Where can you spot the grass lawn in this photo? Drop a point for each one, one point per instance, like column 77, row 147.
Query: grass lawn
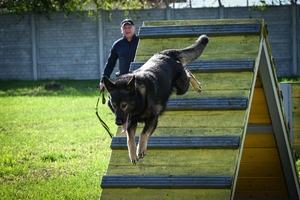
column 52, row 145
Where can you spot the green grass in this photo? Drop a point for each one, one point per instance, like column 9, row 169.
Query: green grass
column 52, row 145
column 289, row 79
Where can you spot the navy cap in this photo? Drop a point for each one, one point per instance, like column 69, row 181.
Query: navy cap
column 127, row 21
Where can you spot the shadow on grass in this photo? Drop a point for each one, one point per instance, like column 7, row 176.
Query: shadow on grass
column 49, row 88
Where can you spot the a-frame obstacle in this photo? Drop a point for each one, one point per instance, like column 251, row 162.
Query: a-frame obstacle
column 228, row 142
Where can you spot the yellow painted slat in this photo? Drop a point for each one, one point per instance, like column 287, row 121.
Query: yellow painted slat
column 262, row 194
column 259, row 184
column 259, row 113
column 180, row 157
column 260, row 140
column 295, row 90
column 208, row 92
column 228, row 118
column 225, row 80
column 183, row 169
column 165, row 194
column 190, row 131
column 296, row 111
column 267, row 155
column 260, row 170
column 218, row 48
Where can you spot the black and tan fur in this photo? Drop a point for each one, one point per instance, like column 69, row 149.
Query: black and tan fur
column 141, row 96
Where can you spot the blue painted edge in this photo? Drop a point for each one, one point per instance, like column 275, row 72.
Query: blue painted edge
column 197, row 30
column 212, row 65
column 165, row 181
column 239, row 103
column 182, row 142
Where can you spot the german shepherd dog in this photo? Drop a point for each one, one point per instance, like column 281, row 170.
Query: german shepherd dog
column 142, row 95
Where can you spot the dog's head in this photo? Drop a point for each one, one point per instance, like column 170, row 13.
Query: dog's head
column 123, row 99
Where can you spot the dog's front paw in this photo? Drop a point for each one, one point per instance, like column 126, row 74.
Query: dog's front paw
column 132, row 152
column 134, row 159
column 141, row 151
column 132, row 155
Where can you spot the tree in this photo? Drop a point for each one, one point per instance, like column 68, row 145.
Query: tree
column 46, row 7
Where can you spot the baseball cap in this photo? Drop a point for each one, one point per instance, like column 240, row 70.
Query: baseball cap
column 127, row 21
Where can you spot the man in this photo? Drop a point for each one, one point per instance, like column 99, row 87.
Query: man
column 123, row 49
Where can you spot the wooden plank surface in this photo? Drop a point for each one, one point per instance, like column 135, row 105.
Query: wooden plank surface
column 164, row 194
column 260, row 170
column 262, row 195
column 267, row 155
column 214, row 93
column 225, row 81
column 260, row 140
column 192, row 119
column 259, row 113
column 181, row 169
column 178, row 157
column 261, row 184
column 189, row 131
column 218, row 48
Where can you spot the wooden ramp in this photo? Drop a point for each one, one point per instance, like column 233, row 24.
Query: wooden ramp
column 228, row 142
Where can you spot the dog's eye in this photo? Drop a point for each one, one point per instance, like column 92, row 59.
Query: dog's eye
column 123, row 105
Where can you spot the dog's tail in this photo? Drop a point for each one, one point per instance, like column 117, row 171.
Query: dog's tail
column 190, row 53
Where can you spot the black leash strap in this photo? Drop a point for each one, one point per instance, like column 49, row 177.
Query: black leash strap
column 101, row 121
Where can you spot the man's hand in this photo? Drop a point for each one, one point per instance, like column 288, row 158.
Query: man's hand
column 102, row 86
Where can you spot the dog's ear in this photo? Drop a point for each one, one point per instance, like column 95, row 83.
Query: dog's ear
column 110, row 86
column 131, row 84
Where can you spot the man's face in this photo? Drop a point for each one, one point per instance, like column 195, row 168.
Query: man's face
column 128, row 30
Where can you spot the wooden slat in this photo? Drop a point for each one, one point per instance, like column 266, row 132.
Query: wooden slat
column 259, row 113
column 174, row 169
column 260, row 170
column 261, row 184
column 214, row 29
column 207, row 104
column 151, row 194
column 214, row 93
column 229, row 142
column 240, row 47
column 244, row 195
column 160, row 181
column 212, row 65
column 180, row 157
column 189, row 131
column 267, row 155
column 193, row 119
column 260, row 140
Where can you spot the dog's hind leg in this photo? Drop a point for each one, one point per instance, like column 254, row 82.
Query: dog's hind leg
column 131, row 142
column 148, row 129
column 193, row 81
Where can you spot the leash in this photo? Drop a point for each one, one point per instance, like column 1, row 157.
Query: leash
column 101, row 121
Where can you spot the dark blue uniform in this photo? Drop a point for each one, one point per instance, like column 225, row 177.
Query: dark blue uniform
column 125, row 52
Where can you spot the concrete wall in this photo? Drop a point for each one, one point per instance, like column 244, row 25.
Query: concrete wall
column 37, row 48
